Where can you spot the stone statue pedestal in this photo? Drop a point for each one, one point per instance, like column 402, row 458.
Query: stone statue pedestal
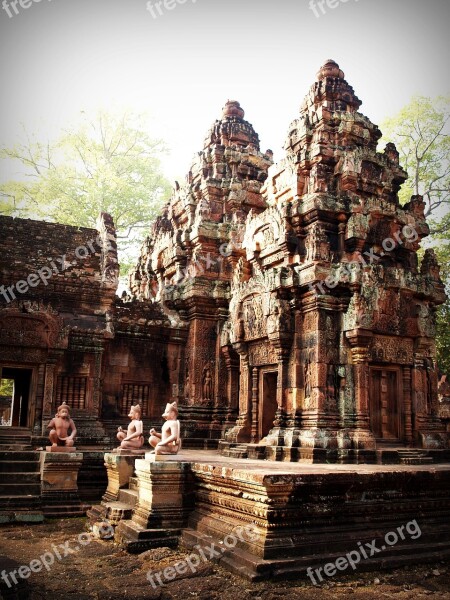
column 166, row 498
column 59, row 487
column 65, row 449
column 180, row 457
column 119, row 467
column 128, row 452
column 118, row 500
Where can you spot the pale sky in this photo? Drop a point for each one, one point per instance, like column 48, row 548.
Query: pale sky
column 62, row 56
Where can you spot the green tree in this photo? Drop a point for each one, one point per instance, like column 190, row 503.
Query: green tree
column 109, row 164
column 6, row 388
column 442, row 249
column 421, row 133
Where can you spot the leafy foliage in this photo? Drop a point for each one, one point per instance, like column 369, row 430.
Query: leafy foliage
column 6, row 388
column 109, row 165
column 420, row 132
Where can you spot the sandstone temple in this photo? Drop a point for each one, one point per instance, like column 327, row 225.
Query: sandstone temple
column 281, row 305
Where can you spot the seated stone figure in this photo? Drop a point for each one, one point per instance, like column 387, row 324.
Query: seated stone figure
column 60, row 425
column 168, row 441
column 133, row 439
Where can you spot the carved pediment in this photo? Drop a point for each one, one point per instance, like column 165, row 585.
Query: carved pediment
column 264, row 232
column 32, row 325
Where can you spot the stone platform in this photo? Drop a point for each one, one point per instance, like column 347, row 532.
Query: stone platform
column 301, row 515
column 382, row 454
column 306, row 515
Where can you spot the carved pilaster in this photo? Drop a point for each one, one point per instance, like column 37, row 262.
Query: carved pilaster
column 360, row 340
column 49, row 386
column 232, row 366
column 407, row 403
column 255, row 411
column 96, row 384
column 241, row 432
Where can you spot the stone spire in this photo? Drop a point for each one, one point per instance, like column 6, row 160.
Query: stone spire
column 222, row 186
column 332, row 89
column 232, row 129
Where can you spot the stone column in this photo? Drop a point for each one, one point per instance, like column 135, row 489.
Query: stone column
column 96, row 383
column 362, row 436
column 428, row 429
column 277, row 436
column 232, row 364
column 49, row 386
column 407, row 404
column 255, row 407
column 241, row 432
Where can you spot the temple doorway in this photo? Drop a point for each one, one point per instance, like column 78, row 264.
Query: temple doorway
column 385, row 404
column 15, row 397
column 268, row 402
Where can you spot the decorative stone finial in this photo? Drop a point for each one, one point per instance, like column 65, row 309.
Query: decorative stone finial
column 330, row 69
column 233, row 109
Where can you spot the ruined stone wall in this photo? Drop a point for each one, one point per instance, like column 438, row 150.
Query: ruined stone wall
column 143, row 362
column 57, row 286
column 53, row 263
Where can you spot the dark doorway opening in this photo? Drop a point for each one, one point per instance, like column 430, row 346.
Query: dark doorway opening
column 268, row 403
column 18, row 382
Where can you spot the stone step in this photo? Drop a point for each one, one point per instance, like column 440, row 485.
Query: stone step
column 20, row 478
column 239, row 451
column 133, row 483
column 24, row 515
column 56, row 512
column 15, row 441
column 424, row 460
column 19, row 466
column 200, row 444
column 254, row 568
column 411, row 456
column 8, row 490
column 129, row 497
column 16, row 502
column 118, row 511
column 19, row 455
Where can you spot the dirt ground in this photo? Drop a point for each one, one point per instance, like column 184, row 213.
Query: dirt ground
column 101, row 571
